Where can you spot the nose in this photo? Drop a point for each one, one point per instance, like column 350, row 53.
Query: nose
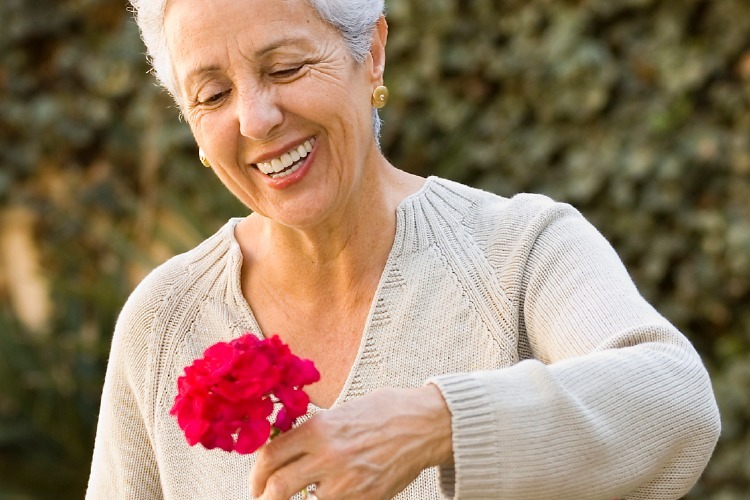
column 258, row 113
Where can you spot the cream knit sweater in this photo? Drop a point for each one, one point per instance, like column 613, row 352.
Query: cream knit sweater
column 562, row 381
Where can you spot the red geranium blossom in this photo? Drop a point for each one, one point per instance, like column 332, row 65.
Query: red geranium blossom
column 225, row 398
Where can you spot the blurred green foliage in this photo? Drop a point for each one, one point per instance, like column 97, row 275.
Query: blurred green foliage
column 635, row 111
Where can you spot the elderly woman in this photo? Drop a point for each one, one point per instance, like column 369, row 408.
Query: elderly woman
column 470, row 345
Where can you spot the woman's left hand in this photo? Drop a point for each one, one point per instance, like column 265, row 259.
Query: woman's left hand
column 368, row 448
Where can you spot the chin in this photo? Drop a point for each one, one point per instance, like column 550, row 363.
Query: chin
column 302, row 217
column 306, row 210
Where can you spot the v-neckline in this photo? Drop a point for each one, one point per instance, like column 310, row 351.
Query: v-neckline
column 236, row 285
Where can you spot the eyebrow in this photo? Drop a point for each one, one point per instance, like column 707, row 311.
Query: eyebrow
column 282, row 42
column 275, row 45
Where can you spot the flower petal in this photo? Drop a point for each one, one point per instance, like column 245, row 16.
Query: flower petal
column 252, row 435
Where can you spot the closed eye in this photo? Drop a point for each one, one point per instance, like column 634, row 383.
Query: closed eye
column 286, row 73
column 214, row 99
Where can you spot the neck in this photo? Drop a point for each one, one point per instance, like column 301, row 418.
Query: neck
column 342, row 255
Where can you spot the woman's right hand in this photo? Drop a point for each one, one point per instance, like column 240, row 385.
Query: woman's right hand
column 368, row 448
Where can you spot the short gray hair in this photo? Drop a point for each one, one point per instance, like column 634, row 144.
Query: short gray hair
column 355, row 20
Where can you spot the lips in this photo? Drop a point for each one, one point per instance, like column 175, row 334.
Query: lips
column 287, row 163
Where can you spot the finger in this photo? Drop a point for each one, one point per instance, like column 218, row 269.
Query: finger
column 273, row 456
column 288, row 480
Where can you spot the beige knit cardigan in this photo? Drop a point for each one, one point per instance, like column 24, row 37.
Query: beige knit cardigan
column 562, row 381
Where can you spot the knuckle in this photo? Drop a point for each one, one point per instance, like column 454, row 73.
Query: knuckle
column 262, row 467
column 315, row 427
column 277, row 487
column 318, row 421
column 267, row 455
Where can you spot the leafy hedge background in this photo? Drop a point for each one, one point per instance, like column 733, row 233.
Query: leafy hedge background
column 635, row 111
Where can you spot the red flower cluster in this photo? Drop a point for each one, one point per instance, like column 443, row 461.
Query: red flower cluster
column 224, row 398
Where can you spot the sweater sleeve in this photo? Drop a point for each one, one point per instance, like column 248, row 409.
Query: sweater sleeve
column 124, row 465
column 613, row 402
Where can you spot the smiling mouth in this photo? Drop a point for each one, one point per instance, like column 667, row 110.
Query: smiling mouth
column 288, row 163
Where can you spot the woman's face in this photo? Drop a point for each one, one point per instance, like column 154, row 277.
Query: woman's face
column 276, row 101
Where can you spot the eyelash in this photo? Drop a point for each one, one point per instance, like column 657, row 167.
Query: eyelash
column 215, row 98
column 281, row 74
column 286, row 73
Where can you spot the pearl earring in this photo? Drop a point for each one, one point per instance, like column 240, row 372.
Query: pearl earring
column 203, row 158
column 379, row 96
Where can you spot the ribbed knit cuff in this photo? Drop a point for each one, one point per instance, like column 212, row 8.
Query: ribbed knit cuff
column 476, row 440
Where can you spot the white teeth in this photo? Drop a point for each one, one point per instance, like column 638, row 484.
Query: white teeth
column 286, row 159
column 283, row 174
column 276, row 167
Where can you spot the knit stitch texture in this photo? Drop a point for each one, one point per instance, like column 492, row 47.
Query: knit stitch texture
column 562, row 381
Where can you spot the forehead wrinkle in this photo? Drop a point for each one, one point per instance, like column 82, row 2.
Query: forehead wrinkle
column 249, row 44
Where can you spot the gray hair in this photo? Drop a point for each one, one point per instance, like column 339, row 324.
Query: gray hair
column 355, row 20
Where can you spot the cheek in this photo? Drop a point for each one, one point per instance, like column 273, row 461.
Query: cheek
column 216, row 133
column 342, row 89
column 197, row 123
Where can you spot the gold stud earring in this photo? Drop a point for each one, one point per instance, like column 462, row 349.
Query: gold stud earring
column 379, row 96
column 203, row 158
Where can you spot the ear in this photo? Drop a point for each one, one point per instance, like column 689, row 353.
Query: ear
column 377, row 50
